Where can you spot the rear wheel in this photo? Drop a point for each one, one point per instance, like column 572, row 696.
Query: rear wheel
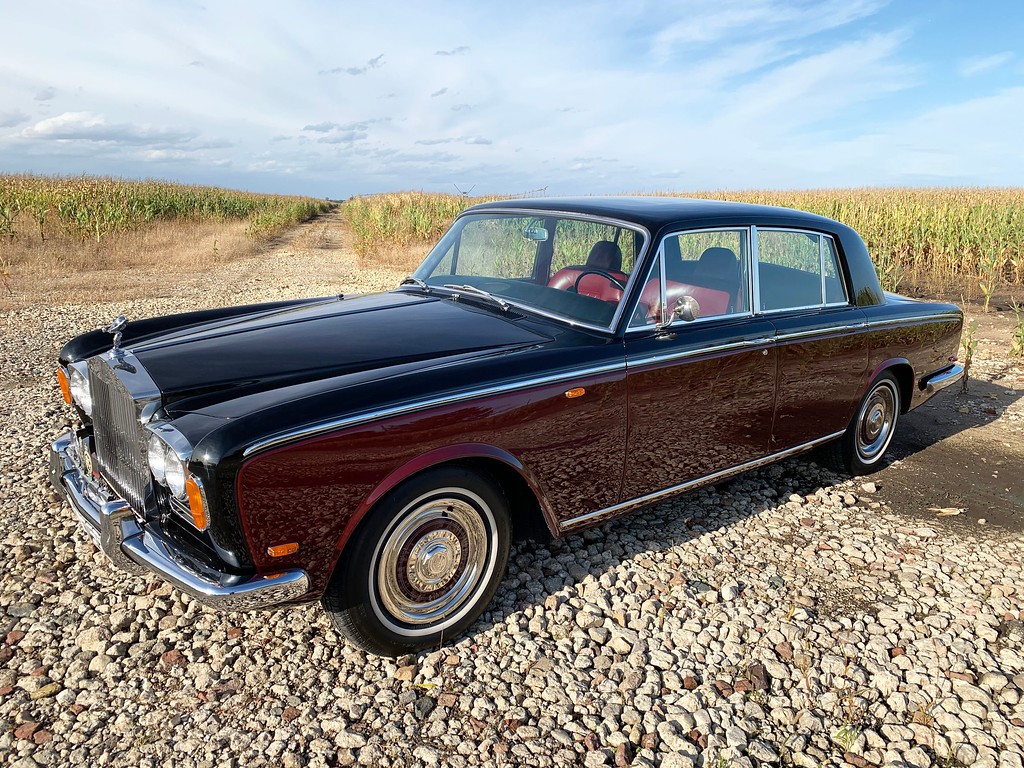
column 861, row 448
column 424, row 564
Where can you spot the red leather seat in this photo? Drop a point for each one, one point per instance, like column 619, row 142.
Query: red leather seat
column 606, row 256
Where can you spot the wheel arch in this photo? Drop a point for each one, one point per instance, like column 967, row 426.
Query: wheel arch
column 903, row 371
column 531, row 516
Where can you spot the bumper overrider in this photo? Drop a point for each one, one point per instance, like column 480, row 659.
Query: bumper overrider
column 133, row 547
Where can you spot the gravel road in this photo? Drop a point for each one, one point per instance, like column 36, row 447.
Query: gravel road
column 787, row 617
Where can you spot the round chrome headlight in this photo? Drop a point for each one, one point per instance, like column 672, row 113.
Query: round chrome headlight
column 80, row 392
column 174, row 474
column 157, row 454
column 167, row 468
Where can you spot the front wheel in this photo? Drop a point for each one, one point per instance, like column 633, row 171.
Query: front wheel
column 423, row 565
column 861, row 448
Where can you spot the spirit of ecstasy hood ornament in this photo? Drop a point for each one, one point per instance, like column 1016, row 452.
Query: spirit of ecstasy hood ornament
column 117, row 328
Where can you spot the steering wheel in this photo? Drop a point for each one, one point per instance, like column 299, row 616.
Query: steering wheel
column 594, row 271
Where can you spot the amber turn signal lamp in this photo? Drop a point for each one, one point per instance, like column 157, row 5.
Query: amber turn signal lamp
column 65, row 385
column 195, row 503
column 576, row 392
column 280, row 550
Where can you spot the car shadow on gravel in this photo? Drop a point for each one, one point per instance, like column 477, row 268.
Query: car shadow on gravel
column 540, row 570
column 960, row 456
column 927, row 468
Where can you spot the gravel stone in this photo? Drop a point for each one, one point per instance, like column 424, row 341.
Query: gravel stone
column 743, row 622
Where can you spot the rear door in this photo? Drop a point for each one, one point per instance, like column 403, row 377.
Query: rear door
column 821, row 345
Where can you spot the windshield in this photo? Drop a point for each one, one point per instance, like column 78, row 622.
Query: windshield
column 570, row 267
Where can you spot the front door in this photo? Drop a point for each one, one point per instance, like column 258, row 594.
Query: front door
column 701, row 393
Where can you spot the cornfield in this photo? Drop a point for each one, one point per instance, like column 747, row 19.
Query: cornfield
column 945, row 238
column 91, row 208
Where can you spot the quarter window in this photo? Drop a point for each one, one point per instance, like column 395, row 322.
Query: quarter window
column 835, row 290
column 797, row 270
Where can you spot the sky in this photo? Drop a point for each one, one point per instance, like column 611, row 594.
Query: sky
column 334, row 99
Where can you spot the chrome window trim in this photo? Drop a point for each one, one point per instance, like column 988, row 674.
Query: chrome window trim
column 755, row 270
column 821, row 266
column 366, row 417
column 650, row 498
column 577, row 216
column 664, row 298
column 839, row 275
column 792, row 309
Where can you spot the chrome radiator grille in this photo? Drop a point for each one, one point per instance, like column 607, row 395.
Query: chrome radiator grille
column 119, row 437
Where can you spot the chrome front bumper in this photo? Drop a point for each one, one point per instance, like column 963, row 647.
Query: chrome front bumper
column 116, row 530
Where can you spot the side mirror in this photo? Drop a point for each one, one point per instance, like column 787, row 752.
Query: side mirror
column 686, row 309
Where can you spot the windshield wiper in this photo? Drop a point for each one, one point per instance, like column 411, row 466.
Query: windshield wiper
column 410, row 280
column 481, row 293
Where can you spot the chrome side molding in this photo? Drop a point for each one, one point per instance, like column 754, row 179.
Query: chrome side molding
column 592, row 518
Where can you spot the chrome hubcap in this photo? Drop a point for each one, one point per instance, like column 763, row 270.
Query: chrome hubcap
column 875, row 425
column 432, row 562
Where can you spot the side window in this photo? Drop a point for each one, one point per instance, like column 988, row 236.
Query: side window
column 789, row 269
column 835, row 290
column 712, row 267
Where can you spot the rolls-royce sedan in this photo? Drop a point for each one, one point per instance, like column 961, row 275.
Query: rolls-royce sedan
column 552, row 364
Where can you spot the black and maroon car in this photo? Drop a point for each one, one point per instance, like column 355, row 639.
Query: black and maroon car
column 552, row 364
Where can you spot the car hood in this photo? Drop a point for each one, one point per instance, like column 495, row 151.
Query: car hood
column 252, row 353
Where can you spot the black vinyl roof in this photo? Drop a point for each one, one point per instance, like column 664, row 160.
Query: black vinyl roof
column 654, row 213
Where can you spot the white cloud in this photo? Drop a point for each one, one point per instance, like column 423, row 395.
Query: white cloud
column 733, row 21
column 979, row 65
column 600, row 97
column 90, row 127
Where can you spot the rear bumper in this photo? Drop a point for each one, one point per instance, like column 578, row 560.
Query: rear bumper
column 132, row 546
column 940, row 380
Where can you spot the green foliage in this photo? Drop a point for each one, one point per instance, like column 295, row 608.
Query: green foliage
column 969, row 344
column 402, row 218
column 1017, row 337
column 95, row 208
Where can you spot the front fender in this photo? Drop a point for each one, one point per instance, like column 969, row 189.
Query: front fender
column 446, row 455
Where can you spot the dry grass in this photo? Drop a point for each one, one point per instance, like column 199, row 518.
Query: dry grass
column 109, row 235
column 132, row 264
column 929, row 238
